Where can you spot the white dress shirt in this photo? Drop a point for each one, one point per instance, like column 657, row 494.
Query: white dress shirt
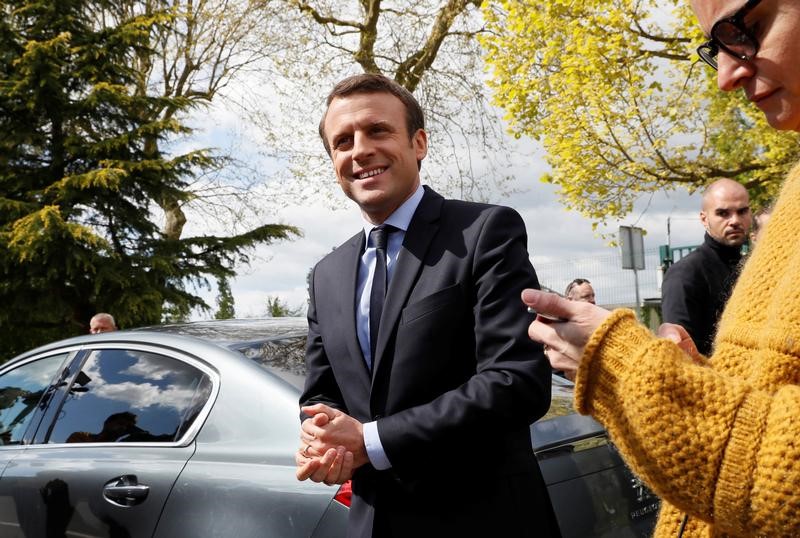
column 400, row 219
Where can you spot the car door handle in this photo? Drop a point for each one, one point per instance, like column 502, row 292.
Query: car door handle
column 125, row 491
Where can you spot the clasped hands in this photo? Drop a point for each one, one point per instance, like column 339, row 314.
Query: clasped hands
column 331, row 446
column 565, row 335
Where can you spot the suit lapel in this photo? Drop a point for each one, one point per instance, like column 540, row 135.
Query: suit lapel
column 420, row 233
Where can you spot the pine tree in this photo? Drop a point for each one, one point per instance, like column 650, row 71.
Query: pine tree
column 280, row 309
column 225, row 303
column 81, row 172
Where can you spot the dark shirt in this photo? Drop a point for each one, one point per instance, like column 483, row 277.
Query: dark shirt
column 696, row 288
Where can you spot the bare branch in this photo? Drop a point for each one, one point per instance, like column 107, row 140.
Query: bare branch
column 325, row 19
column 410, row 71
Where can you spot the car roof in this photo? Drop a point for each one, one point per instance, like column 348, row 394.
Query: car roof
column 235, row 333
column 232, row 334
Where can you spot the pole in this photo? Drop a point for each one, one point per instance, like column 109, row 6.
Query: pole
column 669, row 242
column 638, row 300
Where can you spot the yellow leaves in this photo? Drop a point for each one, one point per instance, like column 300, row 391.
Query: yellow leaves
column 616, row 118
column 104, row 92
column 105, row 178
column 34, row 234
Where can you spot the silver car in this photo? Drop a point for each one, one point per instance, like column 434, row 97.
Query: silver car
column 190, row 430
column 142, row 434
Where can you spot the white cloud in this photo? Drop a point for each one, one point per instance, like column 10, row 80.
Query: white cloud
column 143, row 395
column 137, row 394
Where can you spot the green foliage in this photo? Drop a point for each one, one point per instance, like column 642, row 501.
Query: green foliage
column 616, row 94
column 225, row 303
column 81, row 176
column 279, row 309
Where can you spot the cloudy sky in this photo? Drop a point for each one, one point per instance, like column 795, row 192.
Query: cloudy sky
column 557, row 238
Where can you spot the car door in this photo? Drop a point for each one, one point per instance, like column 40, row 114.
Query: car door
column 110, row 445
column 25, row 389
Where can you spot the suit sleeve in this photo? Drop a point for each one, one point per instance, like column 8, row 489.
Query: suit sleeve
column 511, row 385
column 320, row 384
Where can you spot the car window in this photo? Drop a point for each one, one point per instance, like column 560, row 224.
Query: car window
column 21, row 390
column 127, row 396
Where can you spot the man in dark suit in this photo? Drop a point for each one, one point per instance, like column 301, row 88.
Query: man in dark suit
column 424, row 398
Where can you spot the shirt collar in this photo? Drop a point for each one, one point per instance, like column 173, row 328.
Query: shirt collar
column 401, row 217
column 726, row 252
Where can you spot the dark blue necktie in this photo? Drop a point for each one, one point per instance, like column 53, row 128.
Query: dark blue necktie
column 380, row 238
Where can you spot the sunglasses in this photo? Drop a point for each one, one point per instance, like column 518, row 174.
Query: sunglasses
column 730, row 35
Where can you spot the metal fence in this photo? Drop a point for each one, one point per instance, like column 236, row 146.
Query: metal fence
column 613, row 285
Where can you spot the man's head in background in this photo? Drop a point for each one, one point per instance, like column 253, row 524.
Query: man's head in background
column 102, row 323
column 580, row 289
column 726, row 212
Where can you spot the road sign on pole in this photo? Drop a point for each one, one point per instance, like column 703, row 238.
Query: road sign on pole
column 631, row 243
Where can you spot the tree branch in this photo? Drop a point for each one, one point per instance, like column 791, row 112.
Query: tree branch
column 323, row 19
column 410, row 71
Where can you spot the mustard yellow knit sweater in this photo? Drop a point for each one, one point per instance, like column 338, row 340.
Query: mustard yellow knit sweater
column 718, row 441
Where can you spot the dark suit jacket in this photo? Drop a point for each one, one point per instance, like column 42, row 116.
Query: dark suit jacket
column 456, row 380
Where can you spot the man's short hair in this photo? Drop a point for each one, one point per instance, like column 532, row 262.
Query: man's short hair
column 373, row 83
column 104, row 316
column 576, row 282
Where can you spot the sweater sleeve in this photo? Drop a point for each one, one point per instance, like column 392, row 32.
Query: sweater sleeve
column 707, row 443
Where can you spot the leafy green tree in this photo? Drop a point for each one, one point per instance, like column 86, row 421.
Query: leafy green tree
column 80, row 178
column 225, row 302
column 615, row 92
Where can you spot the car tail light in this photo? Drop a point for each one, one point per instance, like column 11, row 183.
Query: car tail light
column 344, row 494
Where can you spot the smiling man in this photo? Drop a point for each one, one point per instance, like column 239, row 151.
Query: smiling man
column 696, row 288
column 421, row 382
